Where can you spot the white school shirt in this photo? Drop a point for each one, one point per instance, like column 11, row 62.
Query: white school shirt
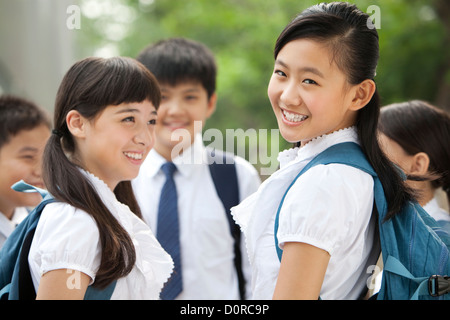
column 433, row 209
column 206, row 243
column 68, row 238
column 329, row 207
column 7, row 226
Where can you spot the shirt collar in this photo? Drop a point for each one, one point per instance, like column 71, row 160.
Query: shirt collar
column 7, row 226
column 317, row 145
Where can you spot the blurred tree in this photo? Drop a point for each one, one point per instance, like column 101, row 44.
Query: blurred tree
column 443, row 95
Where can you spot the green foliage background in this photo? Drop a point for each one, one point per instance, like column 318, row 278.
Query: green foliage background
column 242, row 34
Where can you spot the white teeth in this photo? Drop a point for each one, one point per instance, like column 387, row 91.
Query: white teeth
column 132, row 155
column 294, row 117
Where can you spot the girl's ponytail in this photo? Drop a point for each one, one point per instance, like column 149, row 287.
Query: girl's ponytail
column 88, row 87
column 67, row 184
column 396, row 191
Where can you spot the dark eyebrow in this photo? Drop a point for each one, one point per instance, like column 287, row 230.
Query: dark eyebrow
column 312, row 70
column 163, row 89
column 28, row 149
column 303, row 69
column 133, row 111
column 127, row 110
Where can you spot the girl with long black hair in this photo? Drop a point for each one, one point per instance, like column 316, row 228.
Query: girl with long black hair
column 323, row 93
column 104, row 120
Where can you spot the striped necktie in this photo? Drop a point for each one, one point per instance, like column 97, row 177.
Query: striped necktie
column 168, row 233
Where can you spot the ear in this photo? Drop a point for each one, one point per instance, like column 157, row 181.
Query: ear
column 363, row 92
column 420, row 163
column 76, row 124
column 211, row 105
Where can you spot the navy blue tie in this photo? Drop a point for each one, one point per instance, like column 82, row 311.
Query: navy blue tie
column 168, row 233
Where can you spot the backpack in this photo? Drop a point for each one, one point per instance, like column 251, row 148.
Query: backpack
column 415, row 249
column 225, row 181
column 15, row 276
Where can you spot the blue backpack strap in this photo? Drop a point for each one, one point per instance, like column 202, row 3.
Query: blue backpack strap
column 223, row 173
column 21, row 286
column 347, row 153
column 16, row 279
column 399, row 226
column 93, row 293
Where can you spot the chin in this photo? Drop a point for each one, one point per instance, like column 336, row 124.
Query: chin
column 31, row 199
column 289, row 137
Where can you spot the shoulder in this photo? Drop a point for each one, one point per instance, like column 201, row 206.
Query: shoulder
column 66, row 238
column 324, row 203
column 61, row 211
column 339, row 174
column 330, row 188
column 61, row 221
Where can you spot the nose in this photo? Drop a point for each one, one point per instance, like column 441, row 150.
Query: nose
column 172, row 106
column 290, row 95
column 36, row 172
column 144, row 136
column 37, row 169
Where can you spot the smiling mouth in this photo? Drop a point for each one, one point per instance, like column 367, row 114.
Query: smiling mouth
column 176, row 125
column 293, row 117
column 133, row 155
column 38, row 184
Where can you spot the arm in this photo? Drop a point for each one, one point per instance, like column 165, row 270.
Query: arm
column 63, row 284
column 302, row 271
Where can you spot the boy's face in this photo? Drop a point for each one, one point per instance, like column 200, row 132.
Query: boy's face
column 21, row 159
column 181, row 115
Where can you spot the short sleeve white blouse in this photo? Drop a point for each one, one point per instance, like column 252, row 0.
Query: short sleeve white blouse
column 329, row 207
column 68, row 238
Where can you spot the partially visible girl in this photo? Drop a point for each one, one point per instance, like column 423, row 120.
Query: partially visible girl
column 104, row 120
column 416, row 135
column 323, row 93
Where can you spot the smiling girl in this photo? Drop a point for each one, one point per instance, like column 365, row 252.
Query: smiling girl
column 322, row 93
column 104, row 120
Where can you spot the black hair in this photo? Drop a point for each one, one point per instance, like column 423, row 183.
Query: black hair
column 89, row 87
column 418, row 126
column 18, row 114
column 177, row 60
column 353, row 43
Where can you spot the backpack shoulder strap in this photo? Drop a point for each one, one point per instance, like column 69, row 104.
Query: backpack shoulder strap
column 347, row 153
column 224, row 175
column 16, row 279
column 93, row 293
column 21, row 286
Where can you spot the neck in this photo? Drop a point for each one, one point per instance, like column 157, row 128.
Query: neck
column 165, row 153
column 426, row 192
column 7, row 210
